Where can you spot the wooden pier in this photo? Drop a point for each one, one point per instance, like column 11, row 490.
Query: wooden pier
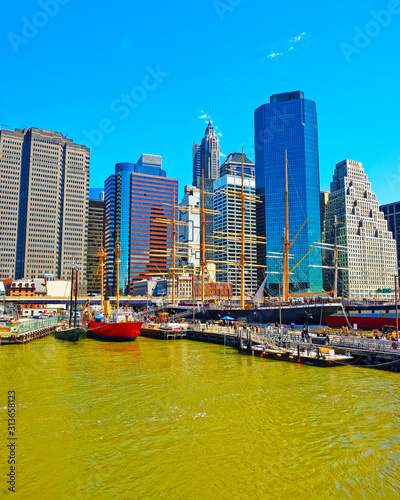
column 227, row 338
column 23, row 338
column 163, row 333
column 370, row 353
column 360, row 352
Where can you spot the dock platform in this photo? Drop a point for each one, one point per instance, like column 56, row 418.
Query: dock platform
column 163, row 334
column 23, row 338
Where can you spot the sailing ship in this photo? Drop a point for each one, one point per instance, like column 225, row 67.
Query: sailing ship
column 314, row 313
column 66, row 331
column 113, row 327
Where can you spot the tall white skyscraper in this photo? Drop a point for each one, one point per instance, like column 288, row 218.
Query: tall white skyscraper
column 369, row 265
column 189, row 234
column 228, row 221
column 44, row 186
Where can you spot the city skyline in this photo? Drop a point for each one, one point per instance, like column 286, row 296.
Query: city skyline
column 133, row 86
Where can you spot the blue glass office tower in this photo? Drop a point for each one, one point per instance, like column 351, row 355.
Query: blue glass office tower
column 289, row 122
column 117, row 201
column 133, row 196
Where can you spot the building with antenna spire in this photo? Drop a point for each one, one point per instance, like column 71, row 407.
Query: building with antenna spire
column 205, row 156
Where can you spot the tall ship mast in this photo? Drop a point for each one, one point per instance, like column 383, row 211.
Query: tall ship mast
column 313, row 313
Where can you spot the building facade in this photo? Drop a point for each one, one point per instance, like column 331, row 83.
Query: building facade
column 207, row 199
column 196, row 161
column 391, row 212
column 323, row 207
column 205, row 156
column 289, row 122
column 228, row 225
column 44, row 185
column 139, row 201
column 368, row 267
column 189, row 231
column 152, row 201
column 95, row 242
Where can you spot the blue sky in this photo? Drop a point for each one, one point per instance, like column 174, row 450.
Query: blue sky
column 70, row 69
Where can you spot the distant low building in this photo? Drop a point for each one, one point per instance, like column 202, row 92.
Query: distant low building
column 59, row 288
column 28, row 288
column 213, row 290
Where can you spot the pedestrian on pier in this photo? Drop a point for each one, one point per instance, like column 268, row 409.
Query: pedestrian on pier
column 304, row 333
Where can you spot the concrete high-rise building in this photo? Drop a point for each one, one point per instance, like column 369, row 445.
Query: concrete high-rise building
column 189, row 233
column 196, row 161
column 391, row 211
column 370, row 263
column 208, row 198
column 95, row 242
column 205, row 156
column 137, row 198
column 44, row 184
column 323, row 206
column 289, row 122
column 228, row 221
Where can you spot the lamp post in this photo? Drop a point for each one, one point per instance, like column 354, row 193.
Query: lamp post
column 308, row 317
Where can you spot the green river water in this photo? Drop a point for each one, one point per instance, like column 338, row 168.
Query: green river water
column 187, row 420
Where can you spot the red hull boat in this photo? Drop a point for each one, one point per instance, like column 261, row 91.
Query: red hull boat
column 364, row 317
column 112, row 331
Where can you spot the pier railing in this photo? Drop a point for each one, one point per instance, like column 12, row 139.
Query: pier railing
column 375, row 345
column 36, row 324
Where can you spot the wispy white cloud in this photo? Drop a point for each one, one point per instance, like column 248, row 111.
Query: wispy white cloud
column 222, row 154
column 284, row 49
column 204, row 115
column 297, row 38
column 219, row 133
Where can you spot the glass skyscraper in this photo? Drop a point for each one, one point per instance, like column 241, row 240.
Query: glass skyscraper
column 152, row 198
column 289, row 122
column 136, row 197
